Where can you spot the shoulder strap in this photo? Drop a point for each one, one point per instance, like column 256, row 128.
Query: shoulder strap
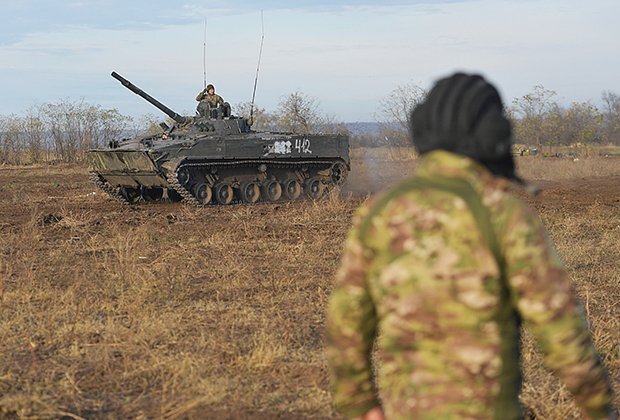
column 456, row 186
column 508, row 320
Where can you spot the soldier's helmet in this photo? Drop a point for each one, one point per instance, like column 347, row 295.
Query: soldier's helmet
column 464, row 114
column 209, row 87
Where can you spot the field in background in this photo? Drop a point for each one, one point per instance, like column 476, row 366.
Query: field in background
column 171, row 311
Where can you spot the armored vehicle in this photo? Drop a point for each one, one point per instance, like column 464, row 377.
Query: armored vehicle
column 216, row 158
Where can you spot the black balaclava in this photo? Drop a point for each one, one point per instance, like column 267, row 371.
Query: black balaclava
column 464, row 114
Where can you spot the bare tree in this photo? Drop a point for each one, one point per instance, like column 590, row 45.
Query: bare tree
column 12, row 140
column 78, row 126
column 3, row 149
column 611, row 117
column 331, row 124
column 537, row 117
column 298, row 113
column 394, row 113
column 538, row 103
column 581, row 123
column 111, row 124
column 65, row 126
column 34, row 132
column 396, row 107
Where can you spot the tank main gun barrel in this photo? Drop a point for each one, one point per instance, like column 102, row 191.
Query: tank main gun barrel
column 135, row 89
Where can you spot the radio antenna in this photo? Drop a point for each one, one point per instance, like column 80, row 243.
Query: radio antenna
column 204, row 57
column 260, row 54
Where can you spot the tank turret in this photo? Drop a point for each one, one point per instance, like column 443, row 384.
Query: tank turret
column 202, row 123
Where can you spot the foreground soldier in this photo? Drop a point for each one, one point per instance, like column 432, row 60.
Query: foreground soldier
column 445, row 267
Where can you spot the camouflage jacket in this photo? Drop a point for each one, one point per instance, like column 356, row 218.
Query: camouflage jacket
column 214, row 100
column 421, row 278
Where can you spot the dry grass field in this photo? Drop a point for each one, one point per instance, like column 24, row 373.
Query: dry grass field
column 169, row 311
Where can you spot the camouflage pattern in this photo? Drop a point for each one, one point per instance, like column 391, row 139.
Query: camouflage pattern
column 213, row 100
column 422, row 280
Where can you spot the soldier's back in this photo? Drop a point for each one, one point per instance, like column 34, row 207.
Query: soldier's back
column 436, row 286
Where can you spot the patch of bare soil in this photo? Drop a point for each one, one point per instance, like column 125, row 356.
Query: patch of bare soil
column 575, row 194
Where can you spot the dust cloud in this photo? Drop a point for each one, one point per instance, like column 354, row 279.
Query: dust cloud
column 376, row 169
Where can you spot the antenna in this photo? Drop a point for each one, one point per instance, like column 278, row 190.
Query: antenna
column 204, row 57
column 260, row 54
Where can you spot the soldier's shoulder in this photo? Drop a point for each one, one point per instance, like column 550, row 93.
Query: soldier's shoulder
column 512, row 215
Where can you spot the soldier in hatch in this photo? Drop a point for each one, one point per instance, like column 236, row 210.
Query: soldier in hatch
column 445, row 267
column 212, row 104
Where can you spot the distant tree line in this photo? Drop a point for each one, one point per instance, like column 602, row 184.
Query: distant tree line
column 63, row 131
column 60, row 131
column 537, row 118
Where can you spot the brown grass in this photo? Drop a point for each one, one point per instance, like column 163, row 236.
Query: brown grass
column 168, row 311
column 541, row 168
column 588, row 242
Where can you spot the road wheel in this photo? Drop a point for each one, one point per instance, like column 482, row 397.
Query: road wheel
column 292, row 189
column 183, row 176
column 250, row 192
column 203, row 193
column 313, row 187
column 272, row 190
column 339, row 173
column 223, row 194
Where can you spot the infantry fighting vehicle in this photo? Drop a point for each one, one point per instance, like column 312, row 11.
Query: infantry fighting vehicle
column 211, row 158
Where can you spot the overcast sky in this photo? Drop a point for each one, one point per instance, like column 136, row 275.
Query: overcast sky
column 346, row 54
